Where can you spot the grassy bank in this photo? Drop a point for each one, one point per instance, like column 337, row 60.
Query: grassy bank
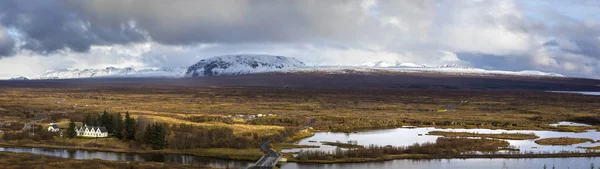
column 27, row 160
column 562, row 141
column 430, row 157
column 299, row 136
column 341, row 145
column 591, row 148
column 509, row 136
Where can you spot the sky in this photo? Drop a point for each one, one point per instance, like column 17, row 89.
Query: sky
column 559, row 36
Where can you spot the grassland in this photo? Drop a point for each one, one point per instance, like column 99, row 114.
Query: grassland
column 509, row 136
column 26, row 160
column 336, row 109
column 562, row 141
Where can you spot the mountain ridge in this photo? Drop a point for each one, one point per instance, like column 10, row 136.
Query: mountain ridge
column 254, row 63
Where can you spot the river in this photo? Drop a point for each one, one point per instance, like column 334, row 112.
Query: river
column 559, row 163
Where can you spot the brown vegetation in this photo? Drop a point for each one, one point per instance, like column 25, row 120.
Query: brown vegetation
column 206, row 111
column 562, row 141
column 342, row 145
column 509, row 136
column 442, row 146
column 335, row 109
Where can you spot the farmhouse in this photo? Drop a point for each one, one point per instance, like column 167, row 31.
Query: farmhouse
column 91, row 131
column 53, row 128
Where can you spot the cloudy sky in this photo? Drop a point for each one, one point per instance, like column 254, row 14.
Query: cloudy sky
column 560, row 36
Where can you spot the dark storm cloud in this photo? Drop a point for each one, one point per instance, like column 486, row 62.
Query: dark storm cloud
column 233, row 21
column 46, row 26
column 7, row 44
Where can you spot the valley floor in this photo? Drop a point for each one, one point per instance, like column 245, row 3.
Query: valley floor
column 244, row 110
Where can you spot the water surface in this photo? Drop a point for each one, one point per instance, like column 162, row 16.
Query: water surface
column 409, row 136
column 113, row 156
column 578, row 92
column 567, row 123
column 560, row 163
column 537, row 163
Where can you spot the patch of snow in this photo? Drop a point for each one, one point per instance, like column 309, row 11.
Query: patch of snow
column 242, row 64
column 19, row 78
column 387, row 64
column 435, row 70
column 248, row 64
column 112, row 72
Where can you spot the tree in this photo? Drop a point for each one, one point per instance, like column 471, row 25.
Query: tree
column 130, row 127
column 71, row 130
column 118, row 125
column 155, row 136
column 106, row 120
column 90, row 120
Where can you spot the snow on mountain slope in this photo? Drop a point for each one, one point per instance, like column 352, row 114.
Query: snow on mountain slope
column 443, row 69
column 385, row 64
column 432, row 70
column 19, row 78
column 242, row 64
column 112, row 72
column 248, row 64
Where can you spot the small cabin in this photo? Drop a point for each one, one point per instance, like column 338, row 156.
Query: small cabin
column 53, row 128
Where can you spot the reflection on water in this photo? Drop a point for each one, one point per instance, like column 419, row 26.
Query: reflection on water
column 559, row 163
column 166, row 158
column 578, row 92
column 537, row 163
column 409, row 136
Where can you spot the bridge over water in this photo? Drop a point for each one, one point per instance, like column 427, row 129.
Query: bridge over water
column 271, row 158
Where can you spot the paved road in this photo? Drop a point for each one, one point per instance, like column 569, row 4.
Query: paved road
column 271, row 157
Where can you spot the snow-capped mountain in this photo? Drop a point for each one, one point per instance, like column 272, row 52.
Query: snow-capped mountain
column 112, row 72
column 429, row 70
column 384, row 64
column 454, row 66
column 248, row 64
column 242, row 64
column 19, row 78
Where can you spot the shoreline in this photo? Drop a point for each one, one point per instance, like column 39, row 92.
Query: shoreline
column 289, row 157
column 444, row 157
column 236, row 157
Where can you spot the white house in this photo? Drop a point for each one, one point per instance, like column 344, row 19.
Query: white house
column 91, row 131
column 53, row 128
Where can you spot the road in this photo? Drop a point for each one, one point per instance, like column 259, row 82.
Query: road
column 271, row 157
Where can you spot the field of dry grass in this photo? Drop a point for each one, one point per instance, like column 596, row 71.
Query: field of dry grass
column 335, row 109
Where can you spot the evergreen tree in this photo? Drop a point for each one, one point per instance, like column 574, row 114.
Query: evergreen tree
column 118, row 125
column 106, row 120
column 155, row 136
column 130, row 127
column 71, row 130
column 89, row 120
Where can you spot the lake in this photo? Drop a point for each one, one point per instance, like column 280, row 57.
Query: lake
column 578, row 92
column 409, row 136
column 559, row 163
